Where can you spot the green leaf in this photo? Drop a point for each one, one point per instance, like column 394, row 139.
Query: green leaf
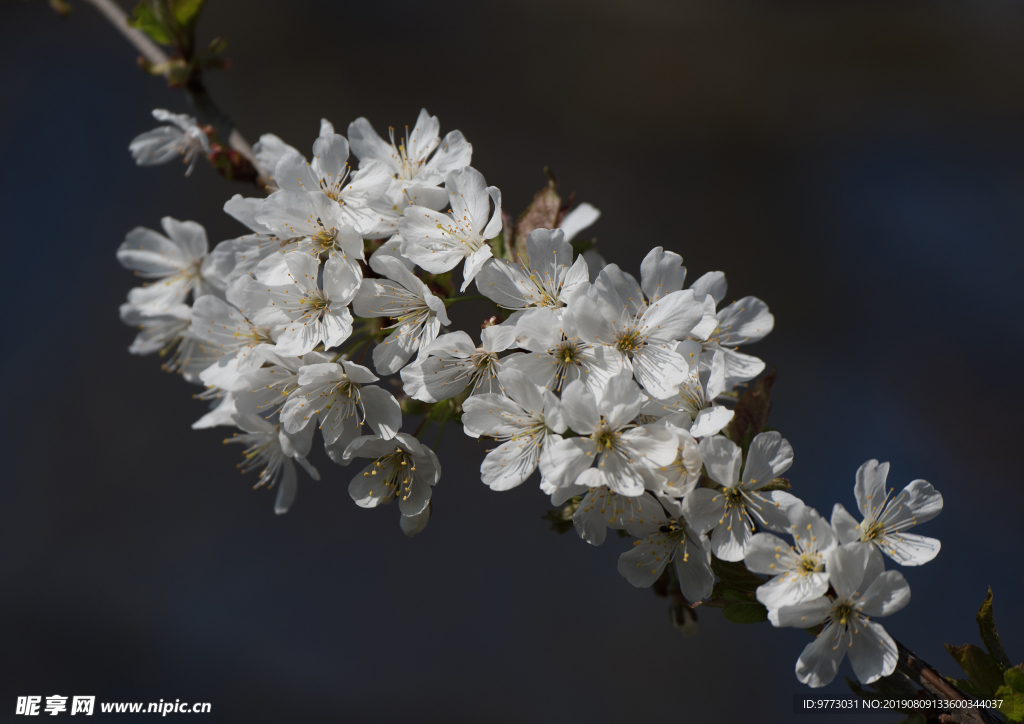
column 186, row 12
column 1014, row 678
column 989, row 633
column 968, row 687
column 146, row 21
column 747, row 612
column 983, row 671
column 735, row 575
column 1013, row 703
column 751, row 413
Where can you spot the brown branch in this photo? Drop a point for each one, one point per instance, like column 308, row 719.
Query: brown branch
column 205, row 107
column 922, row 673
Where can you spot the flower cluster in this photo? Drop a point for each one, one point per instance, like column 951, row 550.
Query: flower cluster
column 621, row 393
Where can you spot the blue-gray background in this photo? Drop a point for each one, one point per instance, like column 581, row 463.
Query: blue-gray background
column 860, row 166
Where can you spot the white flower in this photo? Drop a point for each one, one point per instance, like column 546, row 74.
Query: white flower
column 264, row 391
column 743, row 322
column 624, row 451
column 680, row 476
column 272, row 449
column 270, row 149
column 413, row 163
column 178, row 261
column 311, row 314
column 798, row 571
column 670, row 538
column 527, row 421
column 418, row 314
column 222, row 409
column 613, row 312
column 336, row 396
column 157, row 332
column 192, row 356
column 184, row 138
column 438, row 242
column 886, row 521
column 451, row 363
column 864, row 592
column 327, row 176
column 602, row 509
column 403, row 469
column 546, row 277
column 239, row 256
column 733, row 512
column 693, row 407
column 224, row 326
column 313, row 224
column 558, row 354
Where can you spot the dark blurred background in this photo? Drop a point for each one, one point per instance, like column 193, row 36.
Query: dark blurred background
column 858, row 165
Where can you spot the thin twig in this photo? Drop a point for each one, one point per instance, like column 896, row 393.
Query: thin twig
column 197, row 92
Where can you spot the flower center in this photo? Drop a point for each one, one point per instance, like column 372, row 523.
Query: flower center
column 397, row 469
column 324, row 238
column 629, row 342
column 842, row 613
column 872, row 531
column 568, row 354
column 810, row 563
column 605, row 438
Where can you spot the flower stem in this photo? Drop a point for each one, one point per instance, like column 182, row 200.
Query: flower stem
column 437, row 442
column 351, row 348
column 420, row 428
column 451, row 300
column 204, row 105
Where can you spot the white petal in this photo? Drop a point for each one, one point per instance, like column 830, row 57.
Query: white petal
column 744, row 322
column 886, row 595
column 847, row 528
column 870, row 487
column 620, row 402
column 704, row 508
column 287, row 488
column 873, row 653
column 722, row 459
column 579, row 408
column 511, row 463
column 819, row 662
column 909, row 549
column 769, row 456
column 792, row 589
column 383, row 413
column 579, row 219
column 712, row 283
column 802, row 615
column 644, row 563
column 847, row 566
column 692, row 561
column 661, row 273
column 570, row 457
